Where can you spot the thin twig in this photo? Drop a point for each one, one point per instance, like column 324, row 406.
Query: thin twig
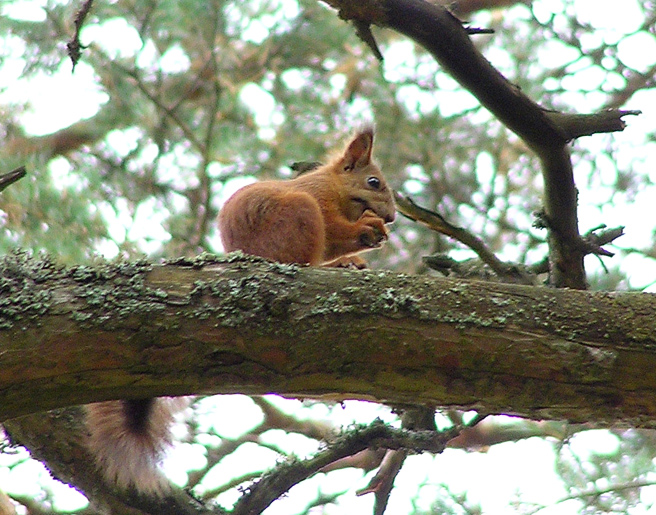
column 189, row 134
column 74, row 46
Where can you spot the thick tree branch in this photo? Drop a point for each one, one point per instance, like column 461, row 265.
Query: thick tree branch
column 81, row 334
column 77, row 335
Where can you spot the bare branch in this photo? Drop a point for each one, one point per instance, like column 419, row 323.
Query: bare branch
column 443, row 35
column 577, row 125
column 9, row 178
column 436, row 222
column 378, row 434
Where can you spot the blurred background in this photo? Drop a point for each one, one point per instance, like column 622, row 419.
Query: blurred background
column 177, row 103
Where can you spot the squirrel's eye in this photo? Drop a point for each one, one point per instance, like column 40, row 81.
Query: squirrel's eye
column 373, row 182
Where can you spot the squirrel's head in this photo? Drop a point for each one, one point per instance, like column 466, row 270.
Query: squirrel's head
column 363, row 180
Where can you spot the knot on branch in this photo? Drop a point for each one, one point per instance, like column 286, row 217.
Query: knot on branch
column 591, row 242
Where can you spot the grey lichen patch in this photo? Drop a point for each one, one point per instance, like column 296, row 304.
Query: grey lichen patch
column 331, row 303
column 478, row 320
column 581, row 363
column 365, row 294
column 23, row 295
column 601, row 361
column 501, row 320
column 259, row 299
column 82, row 317
column 500, row 301
column 239, row 262
column 101, row 272
column 248, row 261
column 30, row 287
column 359, row 299
column 113, row 291
column 239, row 256
column 393, row 300
column 200, row 261
column 21, row 264
column 286, row 269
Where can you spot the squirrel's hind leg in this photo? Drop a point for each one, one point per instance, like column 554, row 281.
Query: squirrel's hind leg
column 282, row 226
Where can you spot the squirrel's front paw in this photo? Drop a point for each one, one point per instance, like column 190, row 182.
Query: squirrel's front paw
column 374, row 232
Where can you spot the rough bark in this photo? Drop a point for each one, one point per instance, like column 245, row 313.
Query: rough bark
column 82, row 334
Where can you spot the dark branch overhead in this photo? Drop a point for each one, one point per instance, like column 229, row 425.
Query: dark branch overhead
column 547, row 133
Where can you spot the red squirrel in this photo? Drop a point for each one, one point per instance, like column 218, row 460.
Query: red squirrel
column 322, row 216
column 336, row 210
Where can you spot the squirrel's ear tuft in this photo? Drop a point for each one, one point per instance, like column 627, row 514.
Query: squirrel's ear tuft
column 358, row 151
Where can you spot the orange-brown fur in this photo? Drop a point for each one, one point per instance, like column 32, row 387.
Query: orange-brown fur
column 316, row 218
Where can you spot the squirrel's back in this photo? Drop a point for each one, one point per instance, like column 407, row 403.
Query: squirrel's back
column 270, row 221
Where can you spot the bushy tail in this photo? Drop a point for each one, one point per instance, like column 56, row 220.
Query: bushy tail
column 129, row 438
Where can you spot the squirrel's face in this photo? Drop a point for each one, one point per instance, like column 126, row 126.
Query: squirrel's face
column 369, row 190
column 363, row 180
